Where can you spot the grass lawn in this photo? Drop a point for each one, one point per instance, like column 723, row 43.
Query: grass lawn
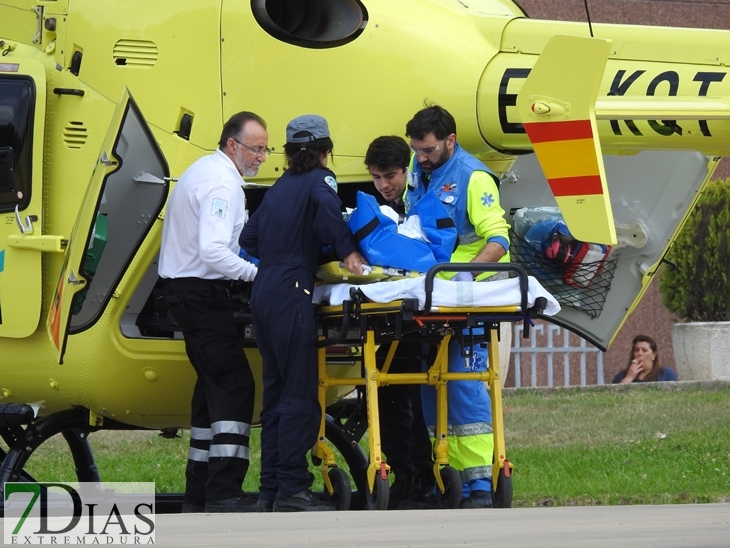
column 639, row 445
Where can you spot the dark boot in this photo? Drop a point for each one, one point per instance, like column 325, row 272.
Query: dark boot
column 422, row 494
column 401, row 490
column 263, row 505
column 240, row 503
column 304, row 501
column 477, row 499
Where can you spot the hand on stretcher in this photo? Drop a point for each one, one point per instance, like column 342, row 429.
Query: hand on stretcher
column 355, row 263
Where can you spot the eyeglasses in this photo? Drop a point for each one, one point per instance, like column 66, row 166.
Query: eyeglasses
column 428, row 150
column 255, row 151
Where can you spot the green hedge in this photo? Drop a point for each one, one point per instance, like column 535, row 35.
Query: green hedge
column 698, row 289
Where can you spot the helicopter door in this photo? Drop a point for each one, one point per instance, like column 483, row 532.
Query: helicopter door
column 127, row 191
column 22, row 120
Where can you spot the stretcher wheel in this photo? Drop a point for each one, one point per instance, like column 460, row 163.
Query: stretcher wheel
column 342, row 496
column 378, row 500
column 451, row 497
column 357, row 462
column 502, row 497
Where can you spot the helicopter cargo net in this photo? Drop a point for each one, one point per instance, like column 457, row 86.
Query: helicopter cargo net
column 582, row 287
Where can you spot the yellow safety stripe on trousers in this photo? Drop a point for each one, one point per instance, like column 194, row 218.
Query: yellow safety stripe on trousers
column 471, row 455
column 476, row 454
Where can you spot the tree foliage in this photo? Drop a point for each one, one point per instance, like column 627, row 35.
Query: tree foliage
column 698, row 289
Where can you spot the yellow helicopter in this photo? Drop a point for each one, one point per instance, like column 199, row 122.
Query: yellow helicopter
column 103, row 104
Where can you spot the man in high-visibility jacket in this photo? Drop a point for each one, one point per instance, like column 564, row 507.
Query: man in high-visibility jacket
column 470, row 193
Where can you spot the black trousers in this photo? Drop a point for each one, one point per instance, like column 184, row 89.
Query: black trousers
column 286, row 334
column 223, row 397
column 403, row 431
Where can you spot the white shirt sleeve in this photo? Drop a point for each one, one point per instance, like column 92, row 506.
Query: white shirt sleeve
column 217, row 219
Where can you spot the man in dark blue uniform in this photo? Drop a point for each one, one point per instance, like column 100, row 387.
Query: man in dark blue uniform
column 299, row 215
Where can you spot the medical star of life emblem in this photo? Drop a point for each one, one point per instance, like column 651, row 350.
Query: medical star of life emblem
column 487, row 200
column 477, row 362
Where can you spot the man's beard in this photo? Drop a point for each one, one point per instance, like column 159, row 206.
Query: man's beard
column 250, row 171
column 243, row 169
column 429, row 167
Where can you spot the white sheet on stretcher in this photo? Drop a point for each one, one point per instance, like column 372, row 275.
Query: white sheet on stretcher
column 445, row 293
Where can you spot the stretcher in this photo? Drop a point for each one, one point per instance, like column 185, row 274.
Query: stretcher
column 363, row 316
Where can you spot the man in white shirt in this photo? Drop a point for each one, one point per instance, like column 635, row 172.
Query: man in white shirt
column 199, row 258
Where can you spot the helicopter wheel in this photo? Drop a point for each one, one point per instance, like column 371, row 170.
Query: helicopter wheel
column 73, row 424
column 24, row 476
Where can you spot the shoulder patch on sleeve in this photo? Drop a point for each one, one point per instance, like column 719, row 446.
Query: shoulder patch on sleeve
column 487, row 200
column 219, row 208
column 331, row 182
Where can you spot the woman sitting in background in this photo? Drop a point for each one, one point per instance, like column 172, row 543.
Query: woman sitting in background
column 644, row 364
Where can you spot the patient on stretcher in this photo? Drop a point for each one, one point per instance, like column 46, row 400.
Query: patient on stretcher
column 450, row 214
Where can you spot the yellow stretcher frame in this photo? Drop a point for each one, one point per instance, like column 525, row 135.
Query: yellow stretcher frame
column 443, row 320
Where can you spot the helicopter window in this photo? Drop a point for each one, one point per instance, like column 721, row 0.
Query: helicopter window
column 16, row 141
column 311, row 23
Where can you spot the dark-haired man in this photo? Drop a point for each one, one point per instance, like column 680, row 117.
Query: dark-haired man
column 403, row 431
column 387, row 160
column 199, row 258
column 470, row 193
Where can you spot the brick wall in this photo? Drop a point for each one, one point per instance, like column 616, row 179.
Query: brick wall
column 650, row 317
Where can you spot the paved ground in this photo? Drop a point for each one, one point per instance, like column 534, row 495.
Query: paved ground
column 680, row 526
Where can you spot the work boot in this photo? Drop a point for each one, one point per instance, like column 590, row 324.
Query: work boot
column 401, row 490
column 304, row 501
column 240, row 503
column 477, row 499
column 422, row 493
column 432, row 501
column 425, row 483
column 263, row 505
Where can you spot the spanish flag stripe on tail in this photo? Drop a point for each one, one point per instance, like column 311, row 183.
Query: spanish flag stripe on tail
column 567, row 158
column 576, row 186
column 541, row 132
column 567, row 155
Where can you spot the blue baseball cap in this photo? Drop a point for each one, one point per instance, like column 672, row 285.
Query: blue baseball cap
column 306, row 128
